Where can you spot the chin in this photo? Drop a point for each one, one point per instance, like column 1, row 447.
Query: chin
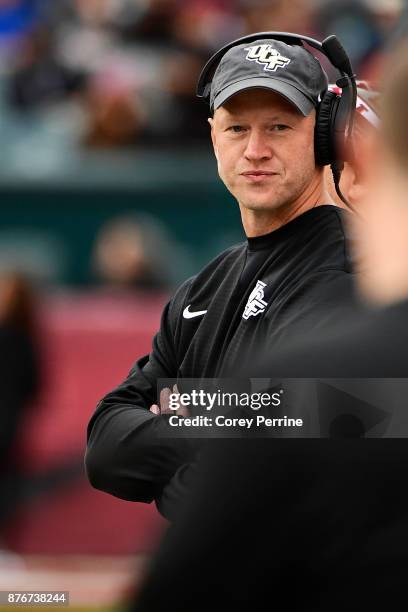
column 261, row 204
column 262, row 207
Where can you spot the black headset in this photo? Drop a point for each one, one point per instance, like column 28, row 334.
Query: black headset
column 335, row 113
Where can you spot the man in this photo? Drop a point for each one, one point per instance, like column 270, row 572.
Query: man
column 313, row 524
column 292, row 272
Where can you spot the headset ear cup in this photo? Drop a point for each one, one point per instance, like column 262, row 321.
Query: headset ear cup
column 324, row 133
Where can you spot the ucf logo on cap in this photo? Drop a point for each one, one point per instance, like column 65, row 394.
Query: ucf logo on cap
column 266, row 55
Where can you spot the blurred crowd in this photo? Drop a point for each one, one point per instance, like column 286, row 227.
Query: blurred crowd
column 122, row 73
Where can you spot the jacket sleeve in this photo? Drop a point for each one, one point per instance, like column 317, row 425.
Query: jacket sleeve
column 128, row 454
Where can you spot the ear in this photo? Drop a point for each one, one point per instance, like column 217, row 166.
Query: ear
column 357, row 186
column 213, row 137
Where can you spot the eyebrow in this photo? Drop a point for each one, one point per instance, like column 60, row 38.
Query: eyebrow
column 276, row 116
column 272, row 118
column 281, row 118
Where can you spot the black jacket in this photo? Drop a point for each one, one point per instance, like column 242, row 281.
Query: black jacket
column 257, row 294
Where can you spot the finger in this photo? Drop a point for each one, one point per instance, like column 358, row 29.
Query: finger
column 164, row 398
column 155, row 409
column 164, row 401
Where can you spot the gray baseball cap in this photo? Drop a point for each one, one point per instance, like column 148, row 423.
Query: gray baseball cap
column 289, row 70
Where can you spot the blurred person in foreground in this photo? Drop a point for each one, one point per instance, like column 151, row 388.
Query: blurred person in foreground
column 18, row 380
column 293, row 271
column 313, row 524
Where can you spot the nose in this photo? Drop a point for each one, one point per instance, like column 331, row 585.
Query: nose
column 257, row 146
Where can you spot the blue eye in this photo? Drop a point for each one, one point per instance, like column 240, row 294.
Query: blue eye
column 236, row 129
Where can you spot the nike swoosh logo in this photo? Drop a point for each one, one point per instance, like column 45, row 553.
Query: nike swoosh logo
column 191, row 315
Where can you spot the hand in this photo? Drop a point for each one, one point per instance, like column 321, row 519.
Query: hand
column 164, row 407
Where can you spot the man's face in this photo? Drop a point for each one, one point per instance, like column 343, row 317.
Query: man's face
column 264, row 147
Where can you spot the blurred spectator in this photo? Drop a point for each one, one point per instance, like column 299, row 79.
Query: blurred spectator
column 361, row 29
column 135, row 252
column 155, row 23
column 116, row 117
column 39, row 77
column 84, row 37
column 19, row 379
column 186, row 116
column 39, row 255
column 278, row 16
column 386, row 12
column 206, row 26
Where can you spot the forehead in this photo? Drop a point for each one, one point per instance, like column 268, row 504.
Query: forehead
column 256, row 100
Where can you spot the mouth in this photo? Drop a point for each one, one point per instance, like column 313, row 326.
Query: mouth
column 258, row 175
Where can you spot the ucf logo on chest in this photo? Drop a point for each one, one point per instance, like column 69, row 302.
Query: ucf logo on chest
column 266, row 55
column 256, row 303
